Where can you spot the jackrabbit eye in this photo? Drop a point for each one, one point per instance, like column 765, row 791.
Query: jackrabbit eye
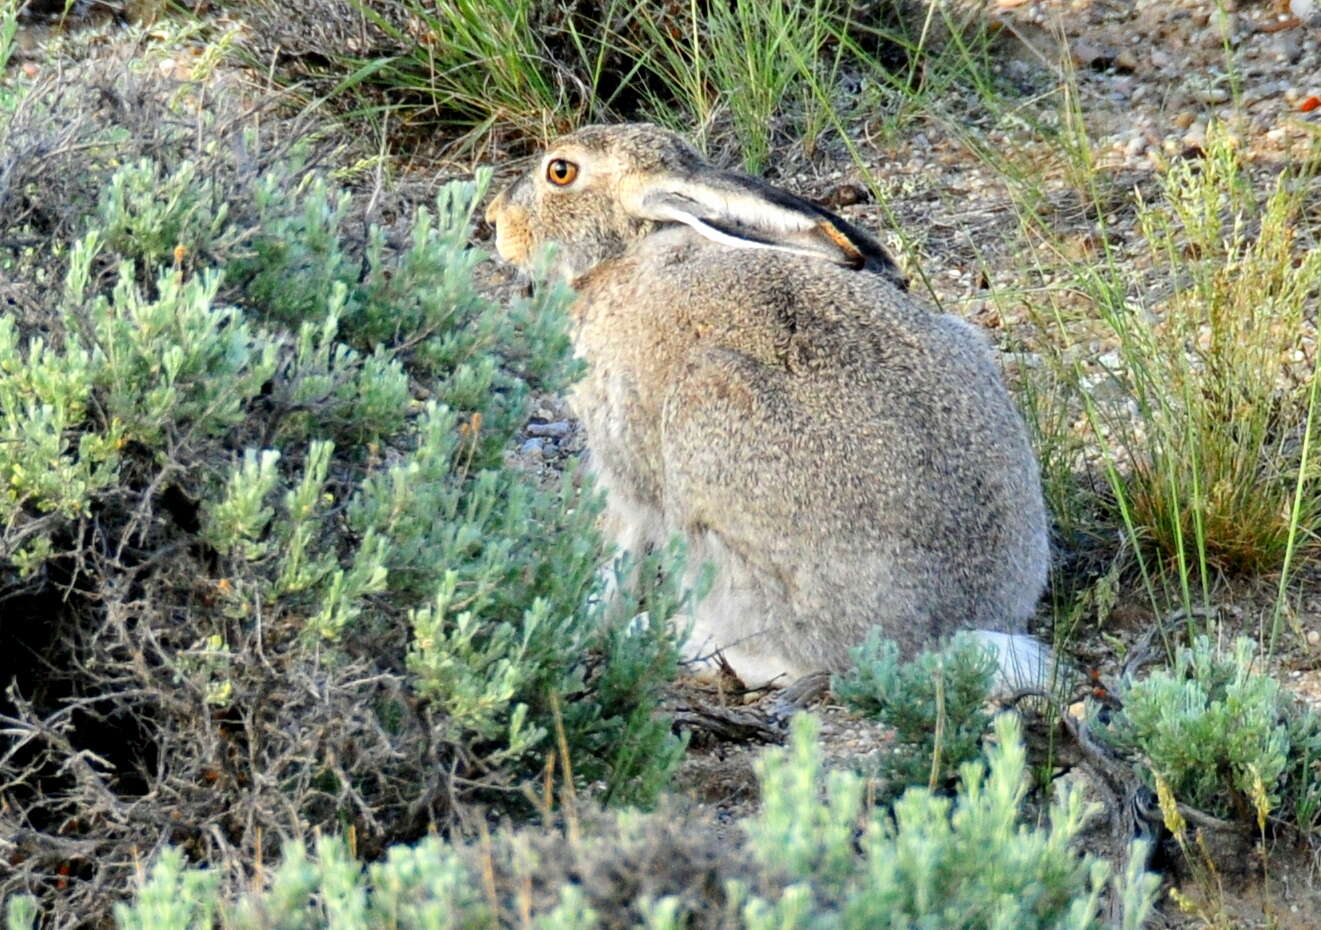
column 560, row 172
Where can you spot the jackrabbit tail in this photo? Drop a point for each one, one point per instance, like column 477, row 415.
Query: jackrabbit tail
column 759, row 381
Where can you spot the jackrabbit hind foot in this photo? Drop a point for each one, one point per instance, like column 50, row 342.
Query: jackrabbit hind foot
column 1023, row 663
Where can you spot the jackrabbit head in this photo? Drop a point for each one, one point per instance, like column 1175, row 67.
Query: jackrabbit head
column 597, row 190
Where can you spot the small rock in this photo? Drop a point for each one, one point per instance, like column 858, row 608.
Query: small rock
column 1089, row 54
column 1184, row 119
column 1286, row 45
column 1126, row 61
column 1313, row 637
column 1026, row 360
column 534, row 448
column 556, row 430
column 1260, row 92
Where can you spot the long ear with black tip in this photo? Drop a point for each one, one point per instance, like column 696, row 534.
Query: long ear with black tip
column 743, row 212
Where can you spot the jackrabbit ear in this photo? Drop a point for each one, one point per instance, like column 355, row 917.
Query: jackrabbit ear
column 743, row 212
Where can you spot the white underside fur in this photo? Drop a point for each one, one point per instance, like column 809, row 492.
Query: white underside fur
column 1025, row 661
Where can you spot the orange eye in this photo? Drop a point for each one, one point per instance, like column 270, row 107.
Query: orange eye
column 561, row 173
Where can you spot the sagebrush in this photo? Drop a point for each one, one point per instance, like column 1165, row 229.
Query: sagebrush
column 935, row 702
column 264, row 568
column 1224, row 737
column 814, row 856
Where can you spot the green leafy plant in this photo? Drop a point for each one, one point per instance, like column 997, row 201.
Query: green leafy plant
column 813, row 857
column 1223, row 736
column 929, row 864
column 1205, row 411
column 256, row 519
column 935, row 703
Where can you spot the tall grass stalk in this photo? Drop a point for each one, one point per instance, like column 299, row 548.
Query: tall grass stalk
column 920, row 90
column 755, row 60
column 1296, row 527
column 479, row 63
column 760, row 54
column 940, row 65
column 8, row 30
column 676, row 53
column 1205, row 415
column 1219, row 379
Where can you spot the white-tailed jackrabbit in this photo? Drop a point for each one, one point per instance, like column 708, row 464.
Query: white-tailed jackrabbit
column 759, row 381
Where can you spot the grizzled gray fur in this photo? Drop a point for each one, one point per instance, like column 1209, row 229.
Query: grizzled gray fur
column 760, row 382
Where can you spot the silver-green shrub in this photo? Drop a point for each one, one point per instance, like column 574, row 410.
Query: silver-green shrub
column 813, row 858
column 934, row 861
column 942, row 691
column 1224, row 736
column 264, row 568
